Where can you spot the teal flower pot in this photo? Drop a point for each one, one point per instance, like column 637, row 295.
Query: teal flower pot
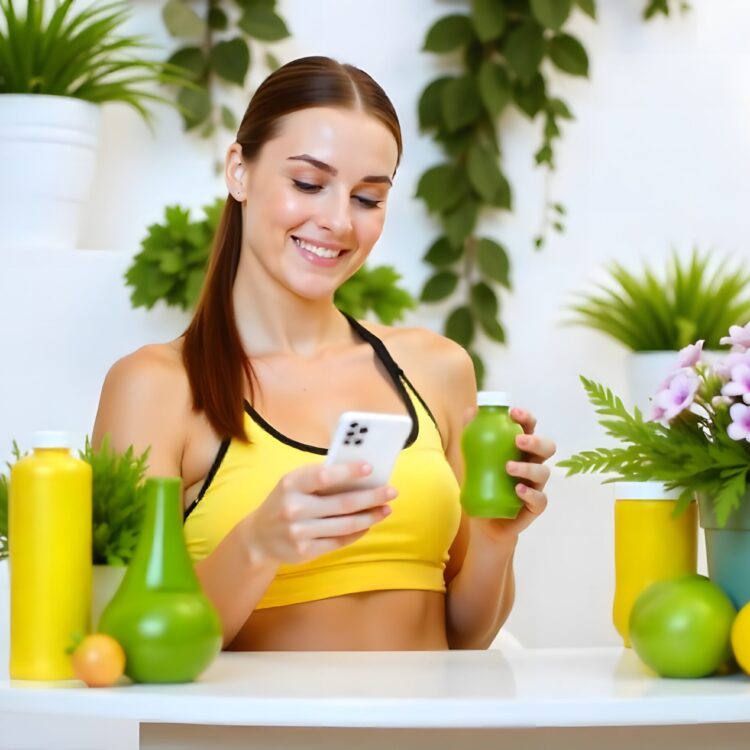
column 728, row 549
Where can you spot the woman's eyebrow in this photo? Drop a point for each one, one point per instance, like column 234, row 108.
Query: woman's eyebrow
column 333, row 171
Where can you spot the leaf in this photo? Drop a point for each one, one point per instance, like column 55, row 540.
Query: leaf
column 181, row 20
column 478, row 368
column 263, row 23
column 489, row 19
column 524, row 50
column 272, row 62
column 559, row 108
column 484, row 300
column 551, row 13
column 217, row 19
column 494, row 87
column 442, row 253
column 461, row 103
column 493, row 261
column 588, row 7
column 655, row 7
column 449, row 33
column 430, row 107
column 192, row 60
column 231, row 60
column 439, row 286
column 486, row 178
column 530, row 99
column 459, row 326
column 196, row 106
column 568, row 54
column 228, row 120
column 460, row 221
column 442, row 187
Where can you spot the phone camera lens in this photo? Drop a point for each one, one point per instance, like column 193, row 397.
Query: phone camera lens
column 354, row 425
column 358, row 441
column 362, row 430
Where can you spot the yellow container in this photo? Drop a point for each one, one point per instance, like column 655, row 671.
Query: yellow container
column 49, row 535
column 650, row 545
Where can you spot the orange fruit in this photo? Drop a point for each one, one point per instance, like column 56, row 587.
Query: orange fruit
column 99, row 660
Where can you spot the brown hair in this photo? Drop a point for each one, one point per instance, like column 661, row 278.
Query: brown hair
column 214, row 358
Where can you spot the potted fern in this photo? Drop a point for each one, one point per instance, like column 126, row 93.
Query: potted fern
column 117, row 513
column 696, row 440
column 56, row 69
column 655, row 316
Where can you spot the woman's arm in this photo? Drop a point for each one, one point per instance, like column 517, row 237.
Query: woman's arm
column 479, row 574
column 146, row 402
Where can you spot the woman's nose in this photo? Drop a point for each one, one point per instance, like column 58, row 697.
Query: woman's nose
column 335, row 214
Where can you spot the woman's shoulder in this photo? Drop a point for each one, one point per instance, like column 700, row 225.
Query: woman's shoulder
column 420, row 349
column 152, row 371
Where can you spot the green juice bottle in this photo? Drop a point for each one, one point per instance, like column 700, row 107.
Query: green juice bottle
column 488, row 443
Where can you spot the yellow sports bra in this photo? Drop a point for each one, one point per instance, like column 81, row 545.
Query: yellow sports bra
column 407, row 550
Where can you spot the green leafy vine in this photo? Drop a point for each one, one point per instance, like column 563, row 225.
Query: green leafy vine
column 210, row 60
column 501, row 48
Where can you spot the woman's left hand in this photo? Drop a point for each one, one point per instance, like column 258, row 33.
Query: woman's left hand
column 533, row 476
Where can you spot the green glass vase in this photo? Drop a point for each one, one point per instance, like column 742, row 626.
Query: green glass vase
column 169, row 630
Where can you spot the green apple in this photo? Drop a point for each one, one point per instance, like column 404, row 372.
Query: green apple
column 681, row 627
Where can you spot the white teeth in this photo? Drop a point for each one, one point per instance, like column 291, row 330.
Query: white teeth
column 321, row 252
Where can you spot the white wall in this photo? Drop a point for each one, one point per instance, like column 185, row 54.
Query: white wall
column 657, row 156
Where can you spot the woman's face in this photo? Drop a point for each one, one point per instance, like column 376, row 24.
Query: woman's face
column 315, row 197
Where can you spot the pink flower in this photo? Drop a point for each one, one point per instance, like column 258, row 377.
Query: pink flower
column 739, row 385
column 739, row 338
column 740, row 427
column 691, row 354
column 677, row 395
column 724, row 367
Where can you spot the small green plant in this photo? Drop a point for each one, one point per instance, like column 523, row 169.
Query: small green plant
column 174, row 255
column 4, row 505
column 117, row 502
column 79, row 55
column 648, row 313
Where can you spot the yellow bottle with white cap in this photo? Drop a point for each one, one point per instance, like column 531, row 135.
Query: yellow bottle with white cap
column 49, row 537
column 650, row 545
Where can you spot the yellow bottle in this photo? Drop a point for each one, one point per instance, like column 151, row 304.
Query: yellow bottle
column 650, row 545
column 49, row 536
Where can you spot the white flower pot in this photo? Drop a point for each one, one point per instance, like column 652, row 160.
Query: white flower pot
column 646, row 371
column 106, row 581
column 47, row 157
column 4, row 619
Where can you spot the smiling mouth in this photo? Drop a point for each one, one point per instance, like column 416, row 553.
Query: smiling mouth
column 321, row 252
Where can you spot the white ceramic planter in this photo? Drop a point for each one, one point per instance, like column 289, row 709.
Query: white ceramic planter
column 4, row 619
column 106, row 581
column 646, row 371
column 47, row 156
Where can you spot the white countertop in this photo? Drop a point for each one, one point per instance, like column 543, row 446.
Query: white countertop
column 460, row 689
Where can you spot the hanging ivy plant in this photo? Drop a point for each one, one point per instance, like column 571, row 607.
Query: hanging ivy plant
column 174, row 255
column 212, row 62
column 506, row 48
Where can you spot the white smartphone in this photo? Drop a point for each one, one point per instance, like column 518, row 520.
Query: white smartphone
column 372, row 437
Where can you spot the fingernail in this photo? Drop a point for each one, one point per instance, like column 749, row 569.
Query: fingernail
column 523, row 440
column 511, row 466
column 387, row 510
column 391, row 492
column 366, row 468
column 521, row 488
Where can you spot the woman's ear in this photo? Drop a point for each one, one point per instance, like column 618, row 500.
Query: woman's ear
column 234, row 172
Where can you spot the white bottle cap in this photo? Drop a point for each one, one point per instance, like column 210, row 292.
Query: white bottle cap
column 51, row 439
column 492, row 398
column 644, row 491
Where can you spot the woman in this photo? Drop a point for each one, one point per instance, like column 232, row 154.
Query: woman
column 291, row 559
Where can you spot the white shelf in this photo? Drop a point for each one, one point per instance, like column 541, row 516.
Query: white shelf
column 456, row 689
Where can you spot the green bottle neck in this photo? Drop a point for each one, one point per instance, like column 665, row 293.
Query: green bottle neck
column 161, row 559
column 493, row 409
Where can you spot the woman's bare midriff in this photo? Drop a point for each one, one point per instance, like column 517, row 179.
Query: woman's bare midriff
column 400, row 620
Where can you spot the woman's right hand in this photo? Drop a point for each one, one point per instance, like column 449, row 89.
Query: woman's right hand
column 308, row 514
